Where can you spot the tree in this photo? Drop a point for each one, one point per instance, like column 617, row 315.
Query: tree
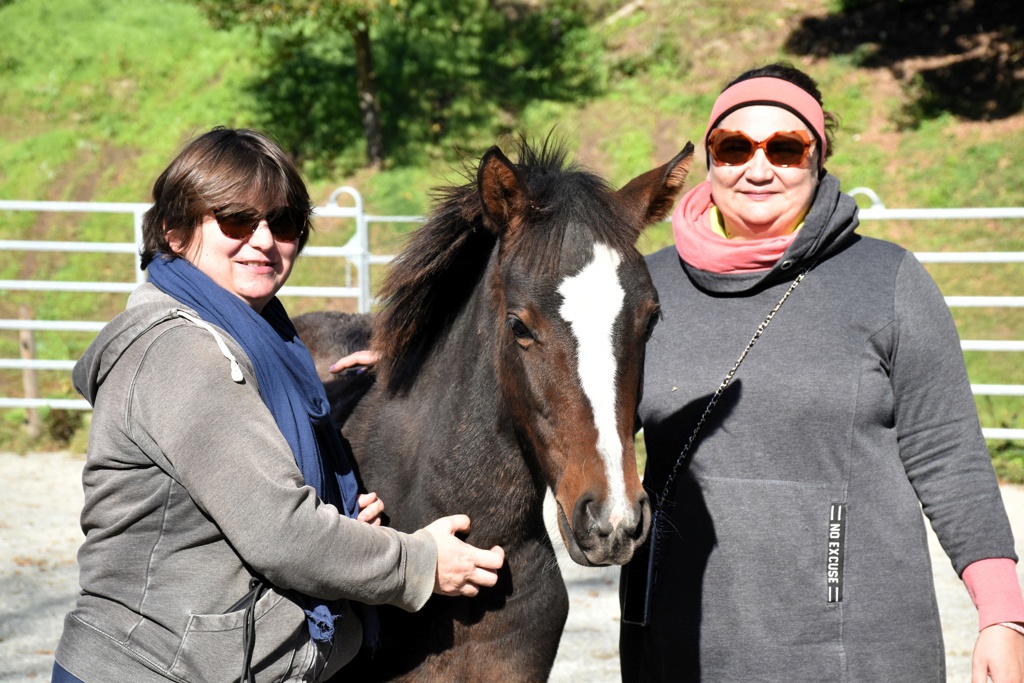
column 307, row 18
column 426, row 76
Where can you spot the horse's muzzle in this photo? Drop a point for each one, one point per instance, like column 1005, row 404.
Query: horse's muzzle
column 597, row 537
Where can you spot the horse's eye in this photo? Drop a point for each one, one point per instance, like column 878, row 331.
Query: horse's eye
column 520, row 330
column 652, row 321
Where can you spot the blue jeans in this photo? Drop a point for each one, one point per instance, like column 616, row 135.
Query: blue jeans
column 60, row 675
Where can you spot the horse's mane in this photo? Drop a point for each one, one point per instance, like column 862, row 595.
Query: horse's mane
column 436, row 272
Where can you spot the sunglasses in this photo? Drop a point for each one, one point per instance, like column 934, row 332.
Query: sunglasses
column 733, row 147
column 286, row 224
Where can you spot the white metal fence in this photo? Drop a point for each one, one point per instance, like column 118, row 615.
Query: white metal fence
column 357, row 253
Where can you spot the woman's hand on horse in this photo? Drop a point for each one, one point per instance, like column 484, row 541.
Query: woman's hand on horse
column 354, row 360
column 370, row 508
column 462, row 569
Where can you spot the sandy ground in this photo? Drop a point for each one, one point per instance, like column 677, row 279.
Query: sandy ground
column 40, row 498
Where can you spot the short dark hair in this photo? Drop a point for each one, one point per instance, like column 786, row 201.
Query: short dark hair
column 787, row 72
column 220, row 168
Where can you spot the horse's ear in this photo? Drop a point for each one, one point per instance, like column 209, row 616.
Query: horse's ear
column 654, row 193
column 501, row 189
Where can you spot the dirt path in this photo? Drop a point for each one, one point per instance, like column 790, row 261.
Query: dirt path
column 39, row 536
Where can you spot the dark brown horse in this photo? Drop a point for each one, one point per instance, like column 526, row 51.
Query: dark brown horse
column 512, row 345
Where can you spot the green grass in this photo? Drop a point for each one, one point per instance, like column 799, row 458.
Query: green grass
column 99, row 94
column 1008, row 460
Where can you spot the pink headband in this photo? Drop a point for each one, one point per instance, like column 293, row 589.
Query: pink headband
column 773, row 92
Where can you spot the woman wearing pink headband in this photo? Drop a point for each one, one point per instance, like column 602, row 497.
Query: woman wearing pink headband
column 789, row 541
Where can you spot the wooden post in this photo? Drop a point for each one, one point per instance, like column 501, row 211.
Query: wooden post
column 27, row 342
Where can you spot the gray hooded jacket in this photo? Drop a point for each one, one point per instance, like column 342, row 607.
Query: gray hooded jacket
column 190, row 488
column 794, row 547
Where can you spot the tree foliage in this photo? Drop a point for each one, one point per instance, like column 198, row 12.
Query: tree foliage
column 306, row 19
column 448, row 73
column 312, row 14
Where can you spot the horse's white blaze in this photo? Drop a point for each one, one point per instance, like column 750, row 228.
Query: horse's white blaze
column 591, row 301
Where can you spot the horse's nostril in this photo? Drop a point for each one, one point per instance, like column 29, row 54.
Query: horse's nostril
column 645, row 518
column 586, row 516
column 591, row 519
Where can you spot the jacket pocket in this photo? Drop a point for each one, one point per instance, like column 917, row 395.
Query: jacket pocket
column 767, row 581
column 211, row 647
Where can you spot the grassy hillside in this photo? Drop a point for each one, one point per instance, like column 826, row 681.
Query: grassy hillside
column 98, row 94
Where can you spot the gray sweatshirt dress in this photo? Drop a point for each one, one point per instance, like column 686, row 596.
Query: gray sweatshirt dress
column 793, row 546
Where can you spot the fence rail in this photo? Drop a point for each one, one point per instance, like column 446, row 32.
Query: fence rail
column 356, row 252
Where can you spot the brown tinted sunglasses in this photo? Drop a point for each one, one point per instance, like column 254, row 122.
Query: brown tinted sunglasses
column 286, row 223
column 734, row 147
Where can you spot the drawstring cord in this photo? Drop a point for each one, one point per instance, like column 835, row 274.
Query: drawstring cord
column 236, row 370
column 249, row 631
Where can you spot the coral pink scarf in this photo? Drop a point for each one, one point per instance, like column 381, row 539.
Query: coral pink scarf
column 705, row 249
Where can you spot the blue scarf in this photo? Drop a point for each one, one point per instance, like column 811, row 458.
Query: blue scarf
column 293, row 392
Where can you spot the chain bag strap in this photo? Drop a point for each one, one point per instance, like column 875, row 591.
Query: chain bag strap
column 639, row 574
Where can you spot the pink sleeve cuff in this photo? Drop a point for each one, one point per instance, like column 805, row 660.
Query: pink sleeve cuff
column 995, row 590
